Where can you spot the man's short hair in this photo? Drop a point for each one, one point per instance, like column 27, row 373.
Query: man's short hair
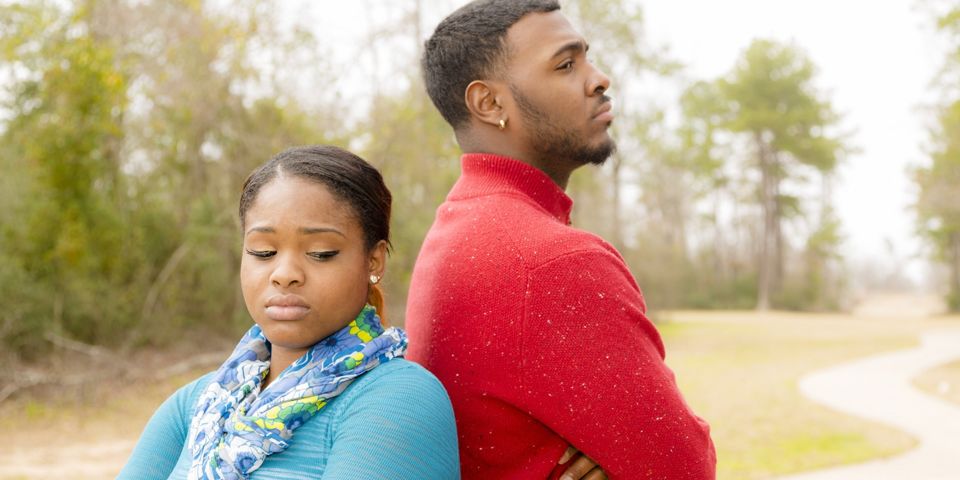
column 468, row 45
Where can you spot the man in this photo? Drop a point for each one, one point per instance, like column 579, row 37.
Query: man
column 537, row 329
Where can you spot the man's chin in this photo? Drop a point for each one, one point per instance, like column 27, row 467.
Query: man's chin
column 599, row 154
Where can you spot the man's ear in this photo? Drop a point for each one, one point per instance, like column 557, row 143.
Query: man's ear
column 483, row 100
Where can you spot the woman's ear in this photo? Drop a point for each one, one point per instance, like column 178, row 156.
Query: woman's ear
column 377, row 260
column 484, row 103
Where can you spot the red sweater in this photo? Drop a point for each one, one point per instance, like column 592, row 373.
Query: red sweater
column 538, row 332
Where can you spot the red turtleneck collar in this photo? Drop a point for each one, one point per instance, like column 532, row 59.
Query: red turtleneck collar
column 486, row 173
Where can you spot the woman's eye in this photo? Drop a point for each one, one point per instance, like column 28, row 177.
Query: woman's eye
column 324, row 255
column 568, row 65
column 261, row 253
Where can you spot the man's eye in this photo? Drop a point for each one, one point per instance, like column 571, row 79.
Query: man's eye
column 324, row 255
column 568, row 65
column 261, row 253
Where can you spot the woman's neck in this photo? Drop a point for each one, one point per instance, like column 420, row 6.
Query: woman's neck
column 280, row 359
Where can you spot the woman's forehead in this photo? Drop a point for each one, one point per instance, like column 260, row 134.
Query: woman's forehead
column 299, row 203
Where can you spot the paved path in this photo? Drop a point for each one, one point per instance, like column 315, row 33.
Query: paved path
column 878, row 388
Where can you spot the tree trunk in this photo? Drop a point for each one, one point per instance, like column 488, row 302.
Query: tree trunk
column 776, row 283
column 417, row 28
column 617, row 231
column 768, row 243
column 954, row 258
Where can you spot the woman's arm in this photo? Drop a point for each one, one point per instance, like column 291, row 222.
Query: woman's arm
column 399, row 426
column 164, row 437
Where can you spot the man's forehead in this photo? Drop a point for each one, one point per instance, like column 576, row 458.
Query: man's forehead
column 540, row 35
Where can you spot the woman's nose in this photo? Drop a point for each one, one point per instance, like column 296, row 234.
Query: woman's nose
column 287, row 272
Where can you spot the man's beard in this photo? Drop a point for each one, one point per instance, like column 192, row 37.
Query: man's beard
column 553, row 142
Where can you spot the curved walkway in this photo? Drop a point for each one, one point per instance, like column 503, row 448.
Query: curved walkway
column 878, row 388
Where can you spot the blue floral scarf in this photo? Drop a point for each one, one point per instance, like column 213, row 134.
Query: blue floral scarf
column 235, row 425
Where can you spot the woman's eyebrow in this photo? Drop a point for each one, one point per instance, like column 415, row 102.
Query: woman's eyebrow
column 301, row 230
column 315, row 230
column 260, row 230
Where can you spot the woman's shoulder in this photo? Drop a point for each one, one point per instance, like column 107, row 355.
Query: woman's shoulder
column 196, row 387
column 399, row 376
column 399, row 390
column 396, row 387
column 184, row 399
column 394, row 421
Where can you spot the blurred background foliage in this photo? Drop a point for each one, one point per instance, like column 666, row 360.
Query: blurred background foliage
column 938, row 199
column 128, row 128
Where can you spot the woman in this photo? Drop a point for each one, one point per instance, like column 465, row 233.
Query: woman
column 317, row 388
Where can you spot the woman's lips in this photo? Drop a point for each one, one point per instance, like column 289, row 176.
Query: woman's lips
column 285, row 313
column 286, row 307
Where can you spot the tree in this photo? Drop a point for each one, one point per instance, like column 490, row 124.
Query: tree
column 407, row 139
column 947, row 14
column 771, row 102
column 938, row 182
column 716, row 184
column 616, row 32
column 129, row 166
column 939, row 188
column 65, row 128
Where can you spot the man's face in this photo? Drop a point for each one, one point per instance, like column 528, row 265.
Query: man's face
column 558, row 93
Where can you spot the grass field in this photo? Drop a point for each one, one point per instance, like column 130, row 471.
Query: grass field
column 942, row 381
column 737, row 369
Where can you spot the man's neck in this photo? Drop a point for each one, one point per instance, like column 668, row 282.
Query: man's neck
column 559, row 174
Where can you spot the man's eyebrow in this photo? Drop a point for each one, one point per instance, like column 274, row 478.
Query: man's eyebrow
column 575, row 46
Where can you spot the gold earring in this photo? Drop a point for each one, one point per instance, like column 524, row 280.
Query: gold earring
column 374, row 279
column 503, row 124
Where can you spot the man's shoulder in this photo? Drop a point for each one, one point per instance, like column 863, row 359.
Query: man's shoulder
column 524, row 228
column 568, row 243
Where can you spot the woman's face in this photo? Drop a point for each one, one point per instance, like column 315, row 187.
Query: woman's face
column 305, row 270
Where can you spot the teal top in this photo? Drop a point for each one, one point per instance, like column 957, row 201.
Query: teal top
column 393, row 422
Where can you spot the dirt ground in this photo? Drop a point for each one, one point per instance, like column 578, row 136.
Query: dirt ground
column 87, row 432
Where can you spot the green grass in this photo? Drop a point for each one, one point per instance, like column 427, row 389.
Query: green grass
column 739, row 370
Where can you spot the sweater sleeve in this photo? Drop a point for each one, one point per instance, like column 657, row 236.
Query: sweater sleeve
column 164, row 437
column 398, row 427
column 593, row 370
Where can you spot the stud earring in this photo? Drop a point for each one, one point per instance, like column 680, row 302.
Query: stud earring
column 374, row 279
column 503, row 124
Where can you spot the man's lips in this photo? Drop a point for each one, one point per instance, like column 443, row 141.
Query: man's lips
column 605, row 112
column 286, row 307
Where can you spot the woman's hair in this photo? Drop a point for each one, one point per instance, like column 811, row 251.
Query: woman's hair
column 350, row 178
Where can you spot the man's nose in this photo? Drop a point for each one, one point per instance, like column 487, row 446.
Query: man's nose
column 598, row 83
